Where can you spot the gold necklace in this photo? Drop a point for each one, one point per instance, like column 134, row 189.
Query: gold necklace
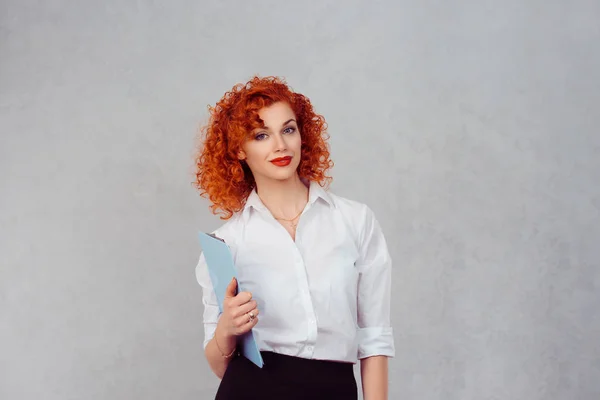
column 291, row 221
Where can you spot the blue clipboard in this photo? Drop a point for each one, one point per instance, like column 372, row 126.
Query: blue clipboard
column 221, row 270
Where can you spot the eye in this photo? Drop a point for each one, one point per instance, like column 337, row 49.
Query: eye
column 260, row 136
column 289, row 130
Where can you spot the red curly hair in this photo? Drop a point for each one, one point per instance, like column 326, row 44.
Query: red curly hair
column 220, row 175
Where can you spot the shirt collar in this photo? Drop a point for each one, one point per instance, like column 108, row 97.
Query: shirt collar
column 315, row 192
column 254, row 201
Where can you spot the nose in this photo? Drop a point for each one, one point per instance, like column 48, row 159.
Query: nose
column 280, row 144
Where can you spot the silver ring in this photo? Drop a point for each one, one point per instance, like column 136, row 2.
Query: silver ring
column 251, row 316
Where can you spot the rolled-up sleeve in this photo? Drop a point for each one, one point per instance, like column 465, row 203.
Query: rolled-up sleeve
column 375, row 335
column 209, row 300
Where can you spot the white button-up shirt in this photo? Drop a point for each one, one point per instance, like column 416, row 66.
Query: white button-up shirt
column 325, row 295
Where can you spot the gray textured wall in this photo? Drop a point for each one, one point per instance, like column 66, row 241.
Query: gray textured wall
column 471, row 128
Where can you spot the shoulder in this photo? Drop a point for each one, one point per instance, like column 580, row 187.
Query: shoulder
column 353, row 209
column 226, row 232
column 359, row 216
column 229, row 229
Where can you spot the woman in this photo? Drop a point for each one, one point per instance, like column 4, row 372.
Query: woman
column 314, row 266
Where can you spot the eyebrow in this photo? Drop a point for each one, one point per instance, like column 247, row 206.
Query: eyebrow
column 284, row 124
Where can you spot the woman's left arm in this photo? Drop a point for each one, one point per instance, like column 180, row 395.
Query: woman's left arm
column 374, row 377
column 375, row 334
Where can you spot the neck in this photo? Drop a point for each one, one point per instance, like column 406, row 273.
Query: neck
column 285, row 199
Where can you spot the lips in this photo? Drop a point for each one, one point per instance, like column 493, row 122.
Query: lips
column 282, row 161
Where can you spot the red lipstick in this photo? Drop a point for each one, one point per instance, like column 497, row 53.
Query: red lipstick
column 282, row 161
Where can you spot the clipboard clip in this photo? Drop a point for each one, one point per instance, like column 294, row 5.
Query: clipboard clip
column 215, row 237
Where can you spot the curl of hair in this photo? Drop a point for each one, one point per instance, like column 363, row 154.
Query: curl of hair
column 226, row 180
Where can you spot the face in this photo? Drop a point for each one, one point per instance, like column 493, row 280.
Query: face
column 273, row 152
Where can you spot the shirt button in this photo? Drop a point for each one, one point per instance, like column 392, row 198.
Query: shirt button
column 309, row 348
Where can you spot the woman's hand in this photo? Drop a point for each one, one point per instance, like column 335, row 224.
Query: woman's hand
column 238, row 317
column 239, row 312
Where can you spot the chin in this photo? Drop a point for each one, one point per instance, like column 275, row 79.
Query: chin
column 283, row 176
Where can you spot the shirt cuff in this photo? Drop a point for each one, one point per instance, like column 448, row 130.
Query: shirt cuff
column 375, row 341
column 209, row 332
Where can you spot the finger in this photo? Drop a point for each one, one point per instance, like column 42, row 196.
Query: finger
column 230, row 290
column 249, row 324
column 244, row 319
column 244, row 308
column 241, row 298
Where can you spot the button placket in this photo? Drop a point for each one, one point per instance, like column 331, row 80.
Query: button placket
column 311, row 331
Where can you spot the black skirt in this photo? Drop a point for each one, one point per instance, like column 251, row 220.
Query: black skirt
column 289, row 378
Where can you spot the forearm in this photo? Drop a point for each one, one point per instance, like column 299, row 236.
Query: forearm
column 213, row 354
column 374, row 376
